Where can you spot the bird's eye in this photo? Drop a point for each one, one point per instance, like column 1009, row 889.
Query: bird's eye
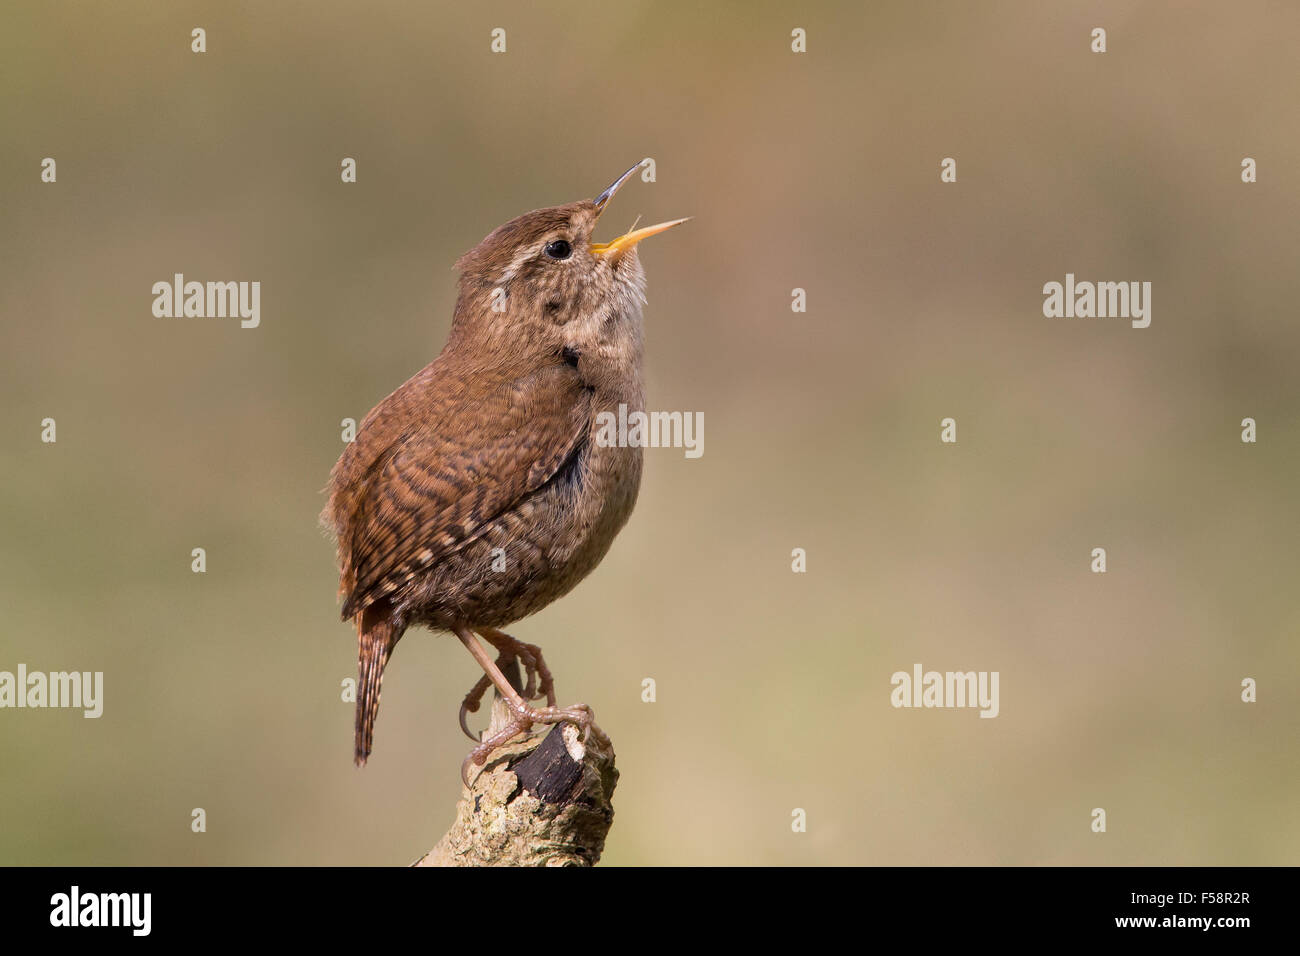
column 559, row 249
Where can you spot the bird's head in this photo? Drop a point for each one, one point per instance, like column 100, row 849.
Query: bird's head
column 540, row 277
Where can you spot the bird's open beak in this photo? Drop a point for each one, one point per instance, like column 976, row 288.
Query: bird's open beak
column 626, row 241
column 629, row 239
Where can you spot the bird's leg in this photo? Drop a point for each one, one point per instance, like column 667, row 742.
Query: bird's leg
column 530, row 655
column 523, row 717
column 511, row 650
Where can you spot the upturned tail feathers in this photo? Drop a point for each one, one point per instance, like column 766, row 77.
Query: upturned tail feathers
column 376, row 638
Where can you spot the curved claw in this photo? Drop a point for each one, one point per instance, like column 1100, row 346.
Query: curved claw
column 477, row 738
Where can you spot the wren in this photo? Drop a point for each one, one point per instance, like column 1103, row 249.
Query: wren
column 476, row 494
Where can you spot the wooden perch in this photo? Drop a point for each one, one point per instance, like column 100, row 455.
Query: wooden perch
column 541, row 800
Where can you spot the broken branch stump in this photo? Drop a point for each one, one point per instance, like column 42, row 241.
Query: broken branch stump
column 541, row 800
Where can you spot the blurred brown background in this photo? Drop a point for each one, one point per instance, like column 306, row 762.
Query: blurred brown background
column 818, row 171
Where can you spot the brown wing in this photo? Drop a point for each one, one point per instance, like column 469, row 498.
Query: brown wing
column 469, row 458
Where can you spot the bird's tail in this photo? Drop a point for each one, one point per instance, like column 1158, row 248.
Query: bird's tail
column 377, row 635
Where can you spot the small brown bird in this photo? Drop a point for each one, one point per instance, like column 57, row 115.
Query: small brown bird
column 476, row 493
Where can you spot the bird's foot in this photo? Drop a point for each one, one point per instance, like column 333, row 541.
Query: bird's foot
column 538, row 682
column 522, row 721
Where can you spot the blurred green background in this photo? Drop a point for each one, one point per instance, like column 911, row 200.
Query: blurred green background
column 818, row 171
